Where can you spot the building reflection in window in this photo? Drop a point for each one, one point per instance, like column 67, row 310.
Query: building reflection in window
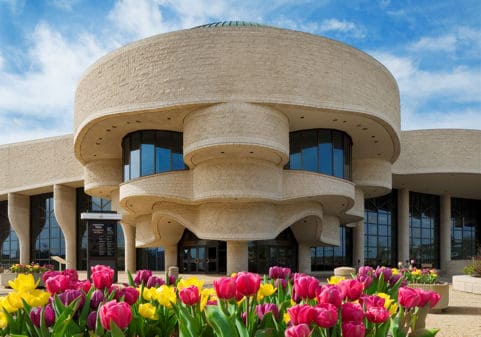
column 9, row 244
column 465, row 228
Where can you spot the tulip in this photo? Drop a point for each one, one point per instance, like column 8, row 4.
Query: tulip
column 129, row 294
column 385, row 272
column 102, row 276
column 92, row 320
column 49, row 274
column 23, row 282
column 301, row 330
column 147, row 310
column 305, row 287
column 351, row 312
column 365, row 271
column 353, row 329
column 189, row 295
column 70, row 295
column 279, row 272
column 118, row 312
column 225, row 288
column 435, row 297
column 280, row 283
column 330, row 294
column 154, row 281
column 171, row 279
column 408, row 297
column 371, row 301
column 81, row 285
column 377, row 315
column 165, row 295
column 301, row 313
column 142, row 276
column 96, row 298
column 263, row 309
column 71, row 274
column 325, row 315
column 247, row 284
column 352, row 289
column 57, row 284
column 265, row 289
column 48, row 315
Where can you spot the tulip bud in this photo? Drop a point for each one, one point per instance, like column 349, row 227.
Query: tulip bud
column 190, row 295
column 118, row 312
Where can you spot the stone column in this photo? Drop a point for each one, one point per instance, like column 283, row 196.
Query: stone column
column 19, row 218
column 130, row 252
column 304, row 255
column 445, row 235
column 65, row 209
column 170, row 252
column 358, row 245
column 403, row 225
column 237, row 256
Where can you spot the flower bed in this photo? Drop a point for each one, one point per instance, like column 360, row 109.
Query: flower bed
column 376, row 303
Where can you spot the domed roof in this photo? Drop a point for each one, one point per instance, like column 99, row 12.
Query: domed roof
column 230, row 24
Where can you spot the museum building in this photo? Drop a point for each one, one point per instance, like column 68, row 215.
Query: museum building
column 236, row 146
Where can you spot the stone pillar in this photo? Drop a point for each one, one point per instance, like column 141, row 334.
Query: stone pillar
column 170, row 253
column 304, row 255
column 19, row 218
column 237, row 256
column 358, row 246
column 130, row 252
column 65, row 209
column 403, row 225
column 445, row 235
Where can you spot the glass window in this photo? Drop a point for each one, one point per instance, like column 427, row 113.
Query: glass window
column 8, row 238
column 321, row 150
column 380, row 239
column 465, row 228
column 151, row 151
column 327, row 258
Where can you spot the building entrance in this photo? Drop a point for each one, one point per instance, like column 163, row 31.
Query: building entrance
column 201, row 256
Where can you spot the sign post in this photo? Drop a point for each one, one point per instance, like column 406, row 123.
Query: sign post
column 101, row 240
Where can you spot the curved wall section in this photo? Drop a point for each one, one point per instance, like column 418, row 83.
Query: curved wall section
column 102, row 177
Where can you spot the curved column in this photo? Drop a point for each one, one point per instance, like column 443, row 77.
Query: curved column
column 403, row 225
column 65, row 209
column 237, row 256
column 304, row 255
column 170, row 253
column 445, row 219
column 19, row 217
column 130, row 253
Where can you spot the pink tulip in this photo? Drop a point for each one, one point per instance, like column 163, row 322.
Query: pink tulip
column 263, row 309
column 102, row 276
column 301, row 330
column 330, row 294
column 279, row 272
column 325, row 315
column 142, row 276
column 225, row 288
column 301, row 314
column 353, row 329
column 48, row 274
column 408, row 297
column 305, row 287
column 369, row 301
column 247, row 284
column 190, row 295
column 129, row 294
column 352, row 312
column 377, row 315
column 57, row 284
column 71, row 273
column 351, row 289
column 435, row 297
column 118, row 312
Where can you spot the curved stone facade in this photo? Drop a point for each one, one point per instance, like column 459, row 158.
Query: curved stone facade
column 236, row 94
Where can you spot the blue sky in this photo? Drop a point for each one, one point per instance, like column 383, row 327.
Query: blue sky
column 432, row 47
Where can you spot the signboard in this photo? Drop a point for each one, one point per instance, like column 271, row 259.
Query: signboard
column 101, row 240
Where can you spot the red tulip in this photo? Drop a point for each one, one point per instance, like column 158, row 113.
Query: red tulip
column 190, row 295
column 352, row 312
column 325, row 315
column 48, row 274
column 247, row 284
column 57, row 284
column 330, row 294
column 118, row 312
column 352, row 289
column 225, row 288
column 129, row 294
column 408, row 297
column 377, row 315
column 301, row 314
column 369, row 301
column 102, row 276
column 435, row 297
column 353, row 329
column 301, row 330
column 305, row 287
column 71, row 273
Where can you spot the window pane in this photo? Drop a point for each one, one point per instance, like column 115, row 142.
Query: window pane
column 338, row 154
column 162, row 160
column 325, row 152
column 309, row 151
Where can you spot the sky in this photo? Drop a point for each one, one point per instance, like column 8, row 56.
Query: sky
column 432, row 47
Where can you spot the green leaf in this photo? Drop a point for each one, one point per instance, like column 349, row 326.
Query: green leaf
column 131, row 280
column 223, row 327
column 424, row 333
column 86, row 309
column 115, row 330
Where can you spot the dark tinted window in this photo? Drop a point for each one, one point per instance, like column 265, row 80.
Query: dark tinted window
column 465, row 228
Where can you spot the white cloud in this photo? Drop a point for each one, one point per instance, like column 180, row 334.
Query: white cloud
column 461, row 119
column 65, row 5
column 342, row 26
column 445, row 43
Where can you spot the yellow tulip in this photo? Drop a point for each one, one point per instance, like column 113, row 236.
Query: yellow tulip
column 206, row 295
column 191, row 281
column 389, row 304
column 166, row 296
column 4, row 303
column 15, row 300
column 36, row 297
column 149, row 311
column 3, row 320
column 23, row 282
column 266, row 289
column 286, row 318
column 335, row 279
column 149, row 293
column 395, row 271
